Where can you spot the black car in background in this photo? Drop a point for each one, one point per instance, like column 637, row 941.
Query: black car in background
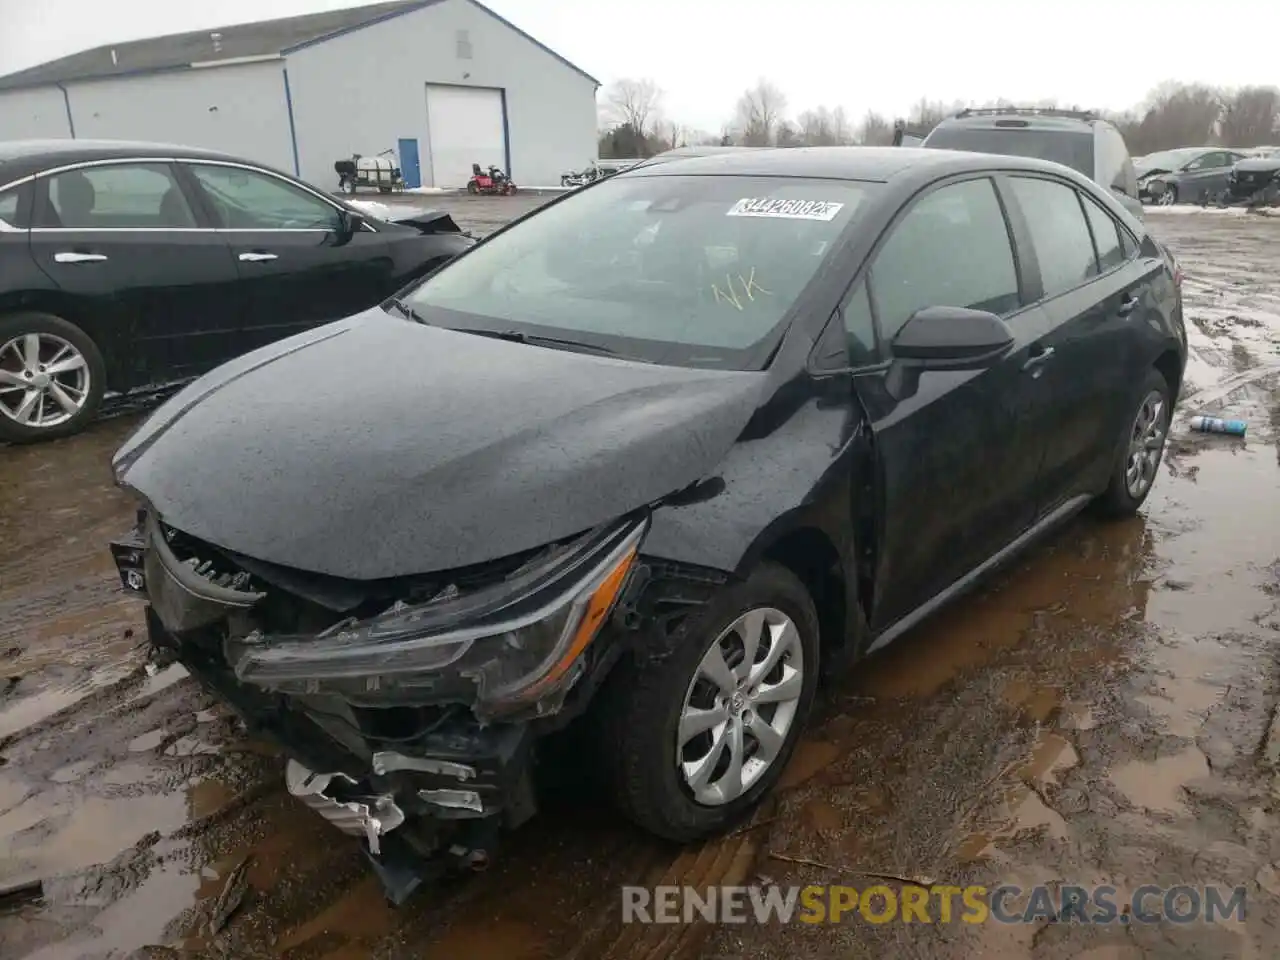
column 1186, row 175
column 646, row 460
column 1256, row 179
column 131, row 265
column 1077, row 139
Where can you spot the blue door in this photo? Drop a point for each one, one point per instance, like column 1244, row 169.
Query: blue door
column 409, row 166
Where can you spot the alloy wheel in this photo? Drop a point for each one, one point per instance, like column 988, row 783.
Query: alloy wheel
column 1168, row 198
column 740, row 706
column 1146, row 444
column 44, row 380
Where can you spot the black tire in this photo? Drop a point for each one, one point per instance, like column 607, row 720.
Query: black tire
column 473, row 188
column 1118, row 500
column 645, row 699
column 1169, row 191
column 16, row 325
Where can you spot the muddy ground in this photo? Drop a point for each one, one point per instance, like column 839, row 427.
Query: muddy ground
column 1098, row 714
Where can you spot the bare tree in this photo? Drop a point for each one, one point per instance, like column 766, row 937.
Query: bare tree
column 1250, row 117
column 1177, row 115
column 841, row 128
column 634, row 103
column 875, row 131
column 816, row 128
column 759, row 112
column 672, row 134
column 787, row 135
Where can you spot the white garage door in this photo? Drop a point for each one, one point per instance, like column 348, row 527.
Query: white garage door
column 464, row 126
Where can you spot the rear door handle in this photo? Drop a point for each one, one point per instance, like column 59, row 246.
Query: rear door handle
column 257, row 257
column 1127, row 305
column 1038, row 359
column 79, row 257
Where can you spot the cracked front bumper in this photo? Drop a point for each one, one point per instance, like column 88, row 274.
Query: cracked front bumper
column 448, row 786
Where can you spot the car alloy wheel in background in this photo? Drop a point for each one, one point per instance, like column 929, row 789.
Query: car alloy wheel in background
column 51, row 378
column 44, row 381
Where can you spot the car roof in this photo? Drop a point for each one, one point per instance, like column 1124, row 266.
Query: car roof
column 21, row 158
column 1026, row 121
column 875, row 164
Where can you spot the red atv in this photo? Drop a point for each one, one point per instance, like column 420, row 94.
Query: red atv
column 493, row 182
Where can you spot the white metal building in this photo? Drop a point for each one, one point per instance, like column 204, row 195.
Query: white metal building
column 442, row 83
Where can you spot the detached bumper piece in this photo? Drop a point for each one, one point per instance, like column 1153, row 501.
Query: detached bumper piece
column 368, row 817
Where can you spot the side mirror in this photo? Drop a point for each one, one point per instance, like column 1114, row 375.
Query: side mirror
column 951, row 338
column 349, row 224
column 352, row 221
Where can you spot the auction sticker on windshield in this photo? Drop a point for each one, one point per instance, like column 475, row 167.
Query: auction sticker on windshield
column 785, row 209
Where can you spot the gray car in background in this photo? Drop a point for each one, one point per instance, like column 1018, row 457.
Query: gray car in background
column 1075, row 138
column 1185, row 175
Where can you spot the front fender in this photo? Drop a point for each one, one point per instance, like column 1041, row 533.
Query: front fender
column 801, row 475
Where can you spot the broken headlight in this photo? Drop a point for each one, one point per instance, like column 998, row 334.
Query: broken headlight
column 503, row 648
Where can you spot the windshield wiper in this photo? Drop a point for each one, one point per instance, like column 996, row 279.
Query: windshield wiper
column 405, row 310
column 537, row 339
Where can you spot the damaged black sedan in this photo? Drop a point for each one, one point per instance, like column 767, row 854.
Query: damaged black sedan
column 648, row 462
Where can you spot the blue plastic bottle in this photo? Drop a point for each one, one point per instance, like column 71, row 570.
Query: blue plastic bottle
column 1236, row 428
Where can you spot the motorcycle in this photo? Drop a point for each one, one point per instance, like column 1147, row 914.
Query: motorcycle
column 493, row 182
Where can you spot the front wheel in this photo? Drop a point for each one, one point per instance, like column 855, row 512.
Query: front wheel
column 1169, row 197
column 472, row 187
column 52, row 378
column 696, row 739
column 1140, row 453
column 511, row 189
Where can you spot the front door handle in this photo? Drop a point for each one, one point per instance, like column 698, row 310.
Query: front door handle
column 79, row 257
column 1127, row 305
column 256, row 257
column 1038, row 359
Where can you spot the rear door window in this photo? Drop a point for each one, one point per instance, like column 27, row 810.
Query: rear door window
column 951, row 249
column 1064, row 247
column 1106, row 235
column 117, row 196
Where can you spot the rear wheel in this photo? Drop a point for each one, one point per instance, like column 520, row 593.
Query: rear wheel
column 1138, row 458
column 52, row 378
column 696, row 739
column 472, row 188
column 511, row 189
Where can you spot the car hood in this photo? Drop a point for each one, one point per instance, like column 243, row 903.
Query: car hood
column 1142, row 173
column 379, row 447
column 1258, row 165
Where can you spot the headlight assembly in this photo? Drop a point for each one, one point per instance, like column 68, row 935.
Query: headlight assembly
column 504, row 651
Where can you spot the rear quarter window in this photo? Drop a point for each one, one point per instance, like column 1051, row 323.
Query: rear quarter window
column 14, row 208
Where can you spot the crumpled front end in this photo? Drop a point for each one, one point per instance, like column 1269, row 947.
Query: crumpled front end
column 409, row 708
column 1254, row 184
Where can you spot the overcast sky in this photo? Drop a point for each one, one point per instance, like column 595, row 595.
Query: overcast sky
column 882, row 54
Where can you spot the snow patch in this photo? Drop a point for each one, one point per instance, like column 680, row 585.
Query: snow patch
column 1185, row 209
column 372, row 207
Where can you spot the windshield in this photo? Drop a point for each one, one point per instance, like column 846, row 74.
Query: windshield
column 1166, row 160
column 1072, row 148
column 688, row 270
